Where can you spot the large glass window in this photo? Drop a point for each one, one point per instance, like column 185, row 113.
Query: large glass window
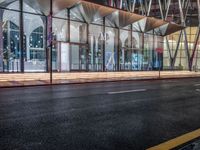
column 60, row 29
column 36, row 7
column 60, row 52
column 178, row 51
column 61, row 57
column 35, row 43
column 62, row 14
column 157, row 58
column 78, row 57
column 125, row 50
column 196, row 62
column 9, row 41
column 95, row 48
column 80, row 50
column 136, row 56
column 131, row 52
column 148, row 52
column 111, row 48
column 78, row 32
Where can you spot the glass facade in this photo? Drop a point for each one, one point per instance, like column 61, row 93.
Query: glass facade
column 10, row 38
column 23, row 39
column 95, row 56
column 179, row 50
column 79, row 45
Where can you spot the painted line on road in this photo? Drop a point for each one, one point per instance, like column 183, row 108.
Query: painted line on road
column 171, row 144
column 128, row 91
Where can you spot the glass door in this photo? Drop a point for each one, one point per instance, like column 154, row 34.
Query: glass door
column 78, row 58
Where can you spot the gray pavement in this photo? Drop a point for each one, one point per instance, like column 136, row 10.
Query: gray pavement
column 126, row 115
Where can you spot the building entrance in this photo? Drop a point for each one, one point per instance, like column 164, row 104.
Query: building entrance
column 78, row 57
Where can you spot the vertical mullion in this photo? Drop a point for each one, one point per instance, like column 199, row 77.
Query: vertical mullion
column 50, row 38
column 87, row 47
column 21, row 36
column 104, row 34
column 46, row 47
column 68, row 25
column 118, row 50
column 142, row 51
column 131, row 45
column 69, row 38
column 1, row 42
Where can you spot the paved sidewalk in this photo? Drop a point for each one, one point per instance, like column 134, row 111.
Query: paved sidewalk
column 23, row 79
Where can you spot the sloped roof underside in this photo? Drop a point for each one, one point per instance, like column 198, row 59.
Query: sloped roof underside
column 115, row 17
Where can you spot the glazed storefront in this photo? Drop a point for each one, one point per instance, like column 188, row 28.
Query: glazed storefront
column 67, row 36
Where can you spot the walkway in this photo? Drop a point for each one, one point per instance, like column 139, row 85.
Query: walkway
column 20, row 79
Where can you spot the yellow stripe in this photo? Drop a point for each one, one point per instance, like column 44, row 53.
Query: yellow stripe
column 177, row 141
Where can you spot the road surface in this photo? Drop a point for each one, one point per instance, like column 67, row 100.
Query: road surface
column 127, row 115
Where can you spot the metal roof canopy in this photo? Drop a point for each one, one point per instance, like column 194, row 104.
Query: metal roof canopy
column 147, row 24
column 122, row 19
column 44, row 5
column 172, row 28
column 167, row 29
column 91, row 12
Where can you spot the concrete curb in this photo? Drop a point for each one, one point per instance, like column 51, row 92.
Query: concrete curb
column 102, row 81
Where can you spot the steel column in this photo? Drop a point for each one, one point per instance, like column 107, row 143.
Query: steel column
column 161, row 10
column 118, row 49
column 196, row 39
column 87, row 47
column 167, row 10
column 104, row 43
column 149, row 8
column 21, row 36
column 50, row 40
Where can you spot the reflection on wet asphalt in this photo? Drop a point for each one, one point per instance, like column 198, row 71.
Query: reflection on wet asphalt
column 132, row 115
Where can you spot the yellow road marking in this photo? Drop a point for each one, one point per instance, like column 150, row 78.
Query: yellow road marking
column 177, row 141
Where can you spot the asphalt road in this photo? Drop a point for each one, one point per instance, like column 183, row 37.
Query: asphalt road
column 129, row 115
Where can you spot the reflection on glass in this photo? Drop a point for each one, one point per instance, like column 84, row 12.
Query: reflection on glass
column 158, row 57
column 137, row 51
column 78, row 57
column 111, row 49
column 84, row 51
column 35, row 53
column 95, row 50
column 125, row 50
column 9, row 42
column 78, row 32
column 61, row 57
column 148, row 51
column 60, row 27
column 62, row 14
column 130, row 50
column 181, row 61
